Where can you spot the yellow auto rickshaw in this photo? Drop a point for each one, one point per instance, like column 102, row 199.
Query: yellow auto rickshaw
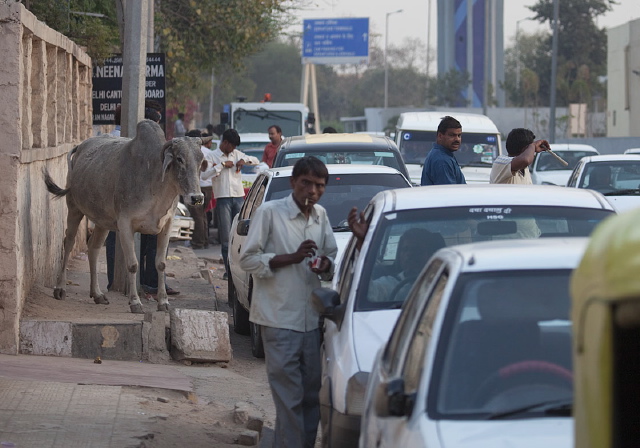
column 605, row 290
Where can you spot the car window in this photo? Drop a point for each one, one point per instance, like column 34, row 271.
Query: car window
column 345, row 156
column 393, row 350
column 254, row 199
column 475, row 150
column 505, row 343
column 405, row 240
column 546, row 162
column 611, row 177
column 343, row 192
column 415, row 356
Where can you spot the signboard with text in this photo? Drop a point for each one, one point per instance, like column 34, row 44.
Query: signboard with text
column 107, row 86
column 335, row 41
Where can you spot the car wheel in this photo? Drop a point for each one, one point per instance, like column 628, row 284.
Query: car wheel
column 256, row 341
column 240, row 315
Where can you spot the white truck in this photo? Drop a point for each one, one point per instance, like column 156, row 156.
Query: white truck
column 254, row 118
column 481, row 142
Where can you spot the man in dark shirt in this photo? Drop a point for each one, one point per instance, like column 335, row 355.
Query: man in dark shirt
column 441, row 166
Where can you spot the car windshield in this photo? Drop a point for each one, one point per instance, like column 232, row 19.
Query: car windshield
column 475, row 150
column 249, row 121
column 546, row 162
column 404, row 241
column 611, row 178
column 343, row 192
column 505, row 347
column 342, row 156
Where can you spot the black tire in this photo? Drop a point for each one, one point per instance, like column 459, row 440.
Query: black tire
column 240, row 315
column 256, row 341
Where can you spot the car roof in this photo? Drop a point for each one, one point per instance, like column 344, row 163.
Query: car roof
column 572, row 147
column 612, row 158
column 542, row 253
column 437, row 196
column 324, row 142
column 429, row 121
column 347, row 168
column 632, row 151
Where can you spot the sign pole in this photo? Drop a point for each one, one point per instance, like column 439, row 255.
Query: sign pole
column 314, row 97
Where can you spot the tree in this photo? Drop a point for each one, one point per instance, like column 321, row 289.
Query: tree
column 446, row 90
column 580, row 44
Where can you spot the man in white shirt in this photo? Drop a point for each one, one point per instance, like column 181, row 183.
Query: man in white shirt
column 200, row 237
column 283, row 236
column 226, row 180
column 522, row 147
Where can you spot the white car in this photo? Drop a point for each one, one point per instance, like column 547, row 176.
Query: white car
column 481, row 355
column 616, row 176
column 348, row 186
column 371, row 283
column 632, row 151
column 547, row 170
column 183, row 224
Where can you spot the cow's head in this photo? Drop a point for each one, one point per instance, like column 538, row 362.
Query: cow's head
column 181, row 160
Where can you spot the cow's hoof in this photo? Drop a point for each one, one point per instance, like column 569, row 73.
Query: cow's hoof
column 59, row 293
column 136, row 308
column 163, row 307
column 101, row 300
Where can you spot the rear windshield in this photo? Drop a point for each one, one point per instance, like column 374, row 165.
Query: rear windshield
column 344, row 156
column 404, row 241
column 475, row 150
column 612, row 178
column 546, row 162
column 343, row 192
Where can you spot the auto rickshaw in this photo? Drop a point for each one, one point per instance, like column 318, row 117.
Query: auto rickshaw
column 605, row 290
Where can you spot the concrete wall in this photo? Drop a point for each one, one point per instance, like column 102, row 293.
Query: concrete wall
column 45, row 91
column 623, row 80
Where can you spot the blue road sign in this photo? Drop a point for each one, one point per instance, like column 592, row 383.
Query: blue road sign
column 335, row 41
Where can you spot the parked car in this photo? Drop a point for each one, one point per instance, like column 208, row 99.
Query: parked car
column 481, row 354
column 183, row 224
column 616, row 176
column 250, row 172
column 363, row 149
column 363, row 305
column 348, row 186
column 547, row 170
column 632, row 151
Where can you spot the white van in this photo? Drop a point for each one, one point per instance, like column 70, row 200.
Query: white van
column 481, row 142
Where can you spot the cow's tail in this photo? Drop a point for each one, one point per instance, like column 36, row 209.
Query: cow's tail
column 52, row 187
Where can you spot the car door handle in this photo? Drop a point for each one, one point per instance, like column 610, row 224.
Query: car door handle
column 239, row 247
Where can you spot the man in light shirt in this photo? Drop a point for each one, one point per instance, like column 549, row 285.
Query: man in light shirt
column 226, row 180
column 513, row 168
column 283, row 236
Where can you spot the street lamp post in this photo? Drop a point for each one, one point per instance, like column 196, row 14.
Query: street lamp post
column 386, row 65
column 518, row 50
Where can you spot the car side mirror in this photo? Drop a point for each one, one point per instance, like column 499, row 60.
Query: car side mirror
column 243, row 227
column 391, row 401
column 326, row 302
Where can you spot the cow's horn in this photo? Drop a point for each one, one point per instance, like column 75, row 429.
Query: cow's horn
column 206, row 140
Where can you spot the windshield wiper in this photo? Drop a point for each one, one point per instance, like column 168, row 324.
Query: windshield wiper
column 341, row 229
column 561, row 408
column 628, row 192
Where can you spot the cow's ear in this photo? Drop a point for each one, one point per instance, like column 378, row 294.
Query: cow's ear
column 167, row 157
column 206, row 140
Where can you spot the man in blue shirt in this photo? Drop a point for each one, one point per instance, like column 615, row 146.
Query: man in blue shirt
column 441, row 166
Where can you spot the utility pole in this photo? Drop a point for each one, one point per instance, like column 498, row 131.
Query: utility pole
column 386, row 64
column 134, row 67
column 554, row 69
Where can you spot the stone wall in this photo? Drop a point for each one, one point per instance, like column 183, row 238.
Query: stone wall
column 45, row 91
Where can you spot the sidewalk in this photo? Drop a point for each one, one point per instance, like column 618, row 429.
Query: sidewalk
column 53, row 401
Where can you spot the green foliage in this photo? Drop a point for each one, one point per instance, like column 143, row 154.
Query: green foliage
column 198, row 36
column 99, row 35
column 446, row 90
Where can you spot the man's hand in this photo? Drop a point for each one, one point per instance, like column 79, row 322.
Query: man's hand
column 228, row 164
column 541, row 145
column 306, row 250
column 357, row 224
column 239, row 165
column 325, row 265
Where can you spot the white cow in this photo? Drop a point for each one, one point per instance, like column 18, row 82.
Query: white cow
column 128, row 185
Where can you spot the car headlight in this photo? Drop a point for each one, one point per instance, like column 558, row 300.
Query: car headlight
column 356, row 388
